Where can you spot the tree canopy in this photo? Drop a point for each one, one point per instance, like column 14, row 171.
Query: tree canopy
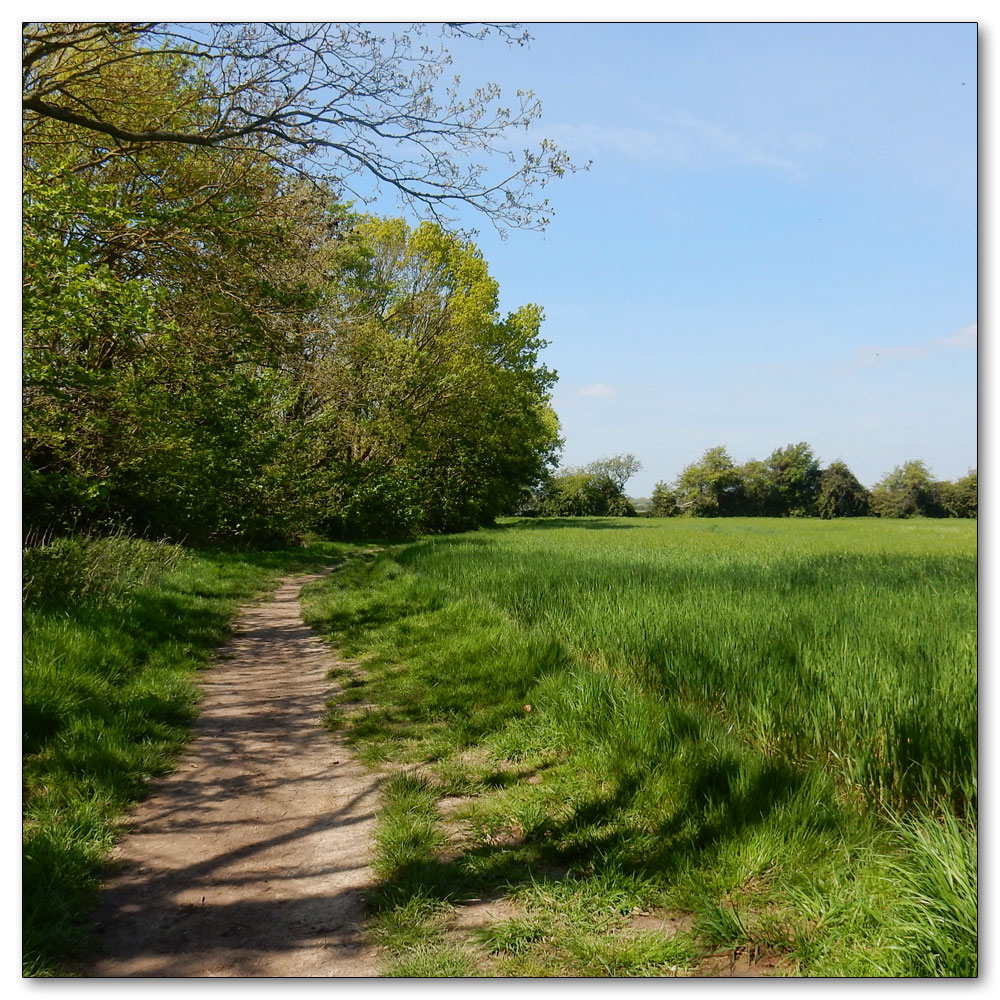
column 711, row 487
column 907, row 491
column 593, row 490
column 215, row 344
column 840, row 493
column 791, row 483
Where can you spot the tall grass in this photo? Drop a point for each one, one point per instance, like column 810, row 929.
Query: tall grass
column 852, row 644
column 115, row 630
column 736, row 710
column 936, row 913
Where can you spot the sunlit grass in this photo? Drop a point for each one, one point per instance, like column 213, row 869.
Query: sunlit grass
column 678, row 712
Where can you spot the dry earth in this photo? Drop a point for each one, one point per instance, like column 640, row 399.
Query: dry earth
column 251, row 858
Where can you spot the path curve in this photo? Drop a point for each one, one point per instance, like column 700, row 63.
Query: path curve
column 251, row 858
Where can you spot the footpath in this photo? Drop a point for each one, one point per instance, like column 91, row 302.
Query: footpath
column 251, row 858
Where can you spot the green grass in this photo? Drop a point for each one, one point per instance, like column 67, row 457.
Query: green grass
column 741, row 721
column 115, row 631
column 936, row 914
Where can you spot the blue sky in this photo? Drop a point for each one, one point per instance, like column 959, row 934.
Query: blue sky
column 776, row 240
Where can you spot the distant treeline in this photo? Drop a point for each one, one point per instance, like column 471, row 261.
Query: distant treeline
column 789, row 483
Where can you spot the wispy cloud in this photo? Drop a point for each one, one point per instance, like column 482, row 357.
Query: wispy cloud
column 715, row 140
column 968, row 336
column 868, row 357
column 678, row 138
column 597, row 389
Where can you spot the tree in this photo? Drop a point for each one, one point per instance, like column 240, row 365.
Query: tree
column 711, row 487
column 795, row 474
column 841, row 494
column 429, row 403
column 595, row 490
column 908, row 491
column 568, row 494
column 161, row 314
column 329, row 102
column 619, row 469
column 760, row 496
column 960, row 498
column 663, row 502
column 216, row 347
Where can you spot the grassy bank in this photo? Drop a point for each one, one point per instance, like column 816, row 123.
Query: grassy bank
column 115, row 631
column 760, row 733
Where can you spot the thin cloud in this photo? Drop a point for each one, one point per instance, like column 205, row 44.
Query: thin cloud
column 968, row 336
column 597, row 389
column 634, row 143
column 868, row 357
column 712, row 138
column 682, row 140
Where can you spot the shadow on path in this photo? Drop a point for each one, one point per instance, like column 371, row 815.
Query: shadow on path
column 251, row 858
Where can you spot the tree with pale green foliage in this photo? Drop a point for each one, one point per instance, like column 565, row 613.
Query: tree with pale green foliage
column 435, row 407
column 594, row 490
column 710, row 487
column 618, row 468
column 908, row 491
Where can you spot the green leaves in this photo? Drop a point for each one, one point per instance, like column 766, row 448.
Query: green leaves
column 711, row 487
column 840, row 493
column 215, row 349
column 441, row 405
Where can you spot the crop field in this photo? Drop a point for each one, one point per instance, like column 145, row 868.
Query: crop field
column 764, row 730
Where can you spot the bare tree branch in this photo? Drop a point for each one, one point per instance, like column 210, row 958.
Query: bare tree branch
column 331, row 102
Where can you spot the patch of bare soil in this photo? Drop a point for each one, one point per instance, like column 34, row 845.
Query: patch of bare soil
column 743, row 965
column 667, row 924
column 251, row 858
column 479, row 913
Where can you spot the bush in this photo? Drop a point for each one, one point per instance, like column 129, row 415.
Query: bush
column 663, row 502
column 841, row 494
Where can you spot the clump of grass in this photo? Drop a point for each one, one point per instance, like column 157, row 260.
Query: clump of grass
column 429, row 961
column 115, row 630
column 401, row 925
column 409, row 832
column 84, row 570
column 512, row 937
column 631, row 955
column 935, row 881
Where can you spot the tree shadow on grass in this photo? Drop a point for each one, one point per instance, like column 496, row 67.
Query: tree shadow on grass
column 594, row 847
column 720, row 804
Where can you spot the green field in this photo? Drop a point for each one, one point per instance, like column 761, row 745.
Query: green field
column 760, row 732
column 766, row 727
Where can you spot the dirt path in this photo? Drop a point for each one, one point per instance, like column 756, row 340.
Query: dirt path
column 250, row 859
